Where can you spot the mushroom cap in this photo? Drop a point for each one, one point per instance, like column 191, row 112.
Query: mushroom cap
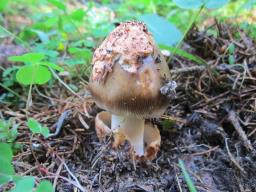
column 128, row 72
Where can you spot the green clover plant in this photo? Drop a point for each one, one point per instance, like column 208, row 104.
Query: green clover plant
column 35, row 70
column 36, row 127
column 22, row 183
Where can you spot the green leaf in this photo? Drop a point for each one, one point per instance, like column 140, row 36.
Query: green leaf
column 73, row 50
column 16, row 178
column 42, row 35
column 16, row 147
column 46, row 49
column 188, row 4
column 215, row 4
column 45, row 131
column 248, row 5
column 102, row 31
column 80, row 43
column 5, row 178
column 6, row 152
column 58, row 4
column 52, row 65
column 195, row 4
column 89, row 43
column 28, row 57
column 167, row 124
column 33, row 125
column 4, row 125
column 84, row 53
column 231, row 51
column 26, row 184
column 80, row 53
column 3, row 4
column 3, row 135
column 6, row 168
column 33, row 74
column 74, row 61
column 163, row 31
column 45, row 186
column 36, row 127
column 184, row 54
column 78, row 15
column 8, row 133
column 9, row 70
column 231, row 48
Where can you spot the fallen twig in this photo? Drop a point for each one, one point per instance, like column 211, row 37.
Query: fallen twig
column 232, row 117
column 74, row 177
column 57, row 175
column 232, row 158
column 60, row 123
column 205, row 152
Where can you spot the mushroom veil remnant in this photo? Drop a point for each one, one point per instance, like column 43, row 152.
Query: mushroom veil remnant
column 127, row 76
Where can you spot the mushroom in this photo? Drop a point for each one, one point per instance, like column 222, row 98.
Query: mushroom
column 128, row 72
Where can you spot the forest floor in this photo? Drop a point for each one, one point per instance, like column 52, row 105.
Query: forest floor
column 210, row 125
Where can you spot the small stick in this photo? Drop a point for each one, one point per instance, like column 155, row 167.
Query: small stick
column 74, row 177
column 65, row 179
column 172, row 118
column 64, row 84
column 59, row 123
column 201, row 68
column 235, row 122
column 232, row 158
column 75, row 180
column 205, row 152
column 178, row 182
column 57, row 175
column 188, row 69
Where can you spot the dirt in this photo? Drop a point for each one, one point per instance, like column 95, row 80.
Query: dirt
column 210, row 125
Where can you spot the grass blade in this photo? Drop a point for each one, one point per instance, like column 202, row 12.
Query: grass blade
column 184, row 54
column 186, row 176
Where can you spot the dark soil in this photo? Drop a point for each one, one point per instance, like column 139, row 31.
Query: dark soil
column 210, row 125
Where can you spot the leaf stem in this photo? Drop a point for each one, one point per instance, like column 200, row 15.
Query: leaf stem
column 63, row 83
column 15, row 36
column 10, row 90
column 29, row 99
column 192, row 21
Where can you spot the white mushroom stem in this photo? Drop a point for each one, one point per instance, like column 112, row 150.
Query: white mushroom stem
column 132, row 128
column 116, row 122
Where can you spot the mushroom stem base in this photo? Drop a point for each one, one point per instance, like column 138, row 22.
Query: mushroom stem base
column 132, row 128
column 143, row 137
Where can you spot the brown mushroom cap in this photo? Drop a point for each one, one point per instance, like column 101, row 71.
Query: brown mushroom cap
column 128, row 72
